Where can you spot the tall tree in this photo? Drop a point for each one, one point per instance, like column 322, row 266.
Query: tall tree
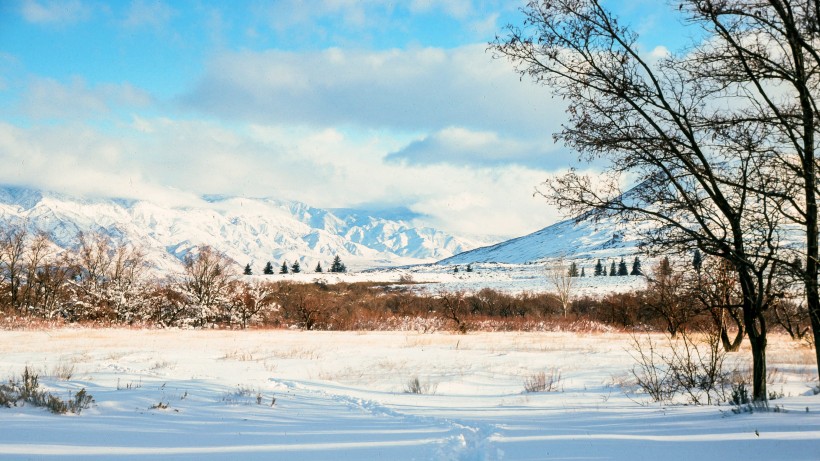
column 636, row 267
column 622, row 270
column 284, row 268
column 613, row 271
column 295, row 267
column 337, row 265
column 697, row 261
column 318, row 267
column 702, row 176
column 599, row 269
column 573, row 269
column 766, row 53
column 247, row 270
column 268, row 270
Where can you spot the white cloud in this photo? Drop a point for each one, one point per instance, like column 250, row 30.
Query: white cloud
column 417, row 89
column 322, row 167
column 55, row 11
column 49, row 98
column 460, row 146
column 150, row 13
column 459, row 9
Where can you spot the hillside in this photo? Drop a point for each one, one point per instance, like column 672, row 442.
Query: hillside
column 247, row 230
column 580, row 238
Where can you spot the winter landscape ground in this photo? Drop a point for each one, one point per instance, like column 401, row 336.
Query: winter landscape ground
column 172, row 394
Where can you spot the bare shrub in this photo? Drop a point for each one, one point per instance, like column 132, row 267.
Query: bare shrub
column 63, row 371
column 687, row 366
column 415, row 386
column 543, row 382
column 26, row 389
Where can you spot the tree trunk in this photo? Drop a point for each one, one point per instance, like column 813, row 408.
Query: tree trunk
column 734, row 345
column 756, row 329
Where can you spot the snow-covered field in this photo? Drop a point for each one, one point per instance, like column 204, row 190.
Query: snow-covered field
column 183, row 394
column 506, row 278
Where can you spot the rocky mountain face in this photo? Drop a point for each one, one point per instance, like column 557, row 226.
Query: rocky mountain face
column 248, row 230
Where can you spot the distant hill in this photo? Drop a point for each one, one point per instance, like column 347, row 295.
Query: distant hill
column 248, row 230
column 580, row 238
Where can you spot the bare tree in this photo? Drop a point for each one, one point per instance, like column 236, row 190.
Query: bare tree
column 12, row 264
column 208, row 274
column 250, row 300
column 456, row 308
column 666, row 296
column 715, row 286
column 767, row 53
column 561, row 280
column 701, row 182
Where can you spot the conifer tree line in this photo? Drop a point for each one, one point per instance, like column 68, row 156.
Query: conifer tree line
column 296, row 267
column 614, row 270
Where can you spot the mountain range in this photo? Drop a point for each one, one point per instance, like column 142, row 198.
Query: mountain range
column 252, row 231
column 258, row 230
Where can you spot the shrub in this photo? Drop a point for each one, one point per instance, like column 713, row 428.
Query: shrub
column 543, row 382
column 27, row 390
column 415, row 386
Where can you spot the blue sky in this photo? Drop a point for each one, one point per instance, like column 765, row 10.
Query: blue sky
column 337, row 103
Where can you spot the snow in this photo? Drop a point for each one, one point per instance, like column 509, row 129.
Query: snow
column 506, row 278
column 340, row 395
column 247, row 230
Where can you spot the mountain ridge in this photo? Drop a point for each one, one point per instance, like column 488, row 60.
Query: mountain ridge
column 248, row 230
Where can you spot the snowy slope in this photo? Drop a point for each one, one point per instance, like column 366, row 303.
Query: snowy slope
column 574, row 239
column 248, row 230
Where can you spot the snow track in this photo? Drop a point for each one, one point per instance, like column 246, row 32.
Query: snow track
column 465, row 441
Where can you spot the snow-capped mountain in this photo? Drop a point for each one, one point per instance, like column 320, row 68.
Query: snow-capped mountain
column 576, row 239
column 248, row 230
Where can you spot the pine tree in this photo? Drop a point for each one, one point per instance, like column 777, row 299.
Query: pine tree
column 455, row 271
column 697, row 261
column 582, row 273
column 622, row 268
column 268, row 270
column 599, row 269
column 295, row 268
column 636, row 267
column 573, row 270
column 665, row 269
column 337, row 265
column 248, row 270
column 284, row 268
column 613, row 271
column 469, row 268
column 318, row 267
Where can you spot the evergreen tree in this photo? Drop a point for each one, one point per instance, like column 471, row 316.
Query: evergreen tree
column 268, row 270
column 295, row 267
column 797, row 264
column 636, row 267
column 573, row 270
column 697, row 261
column 582, row 273
column 599, row 269
column 469, row 268
column 318, row 267
column 455, row 271
column 665, row 269
column 622, row 268
column 613, row 271
column 248, row 270
column 284, row 268
column 337, row 265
